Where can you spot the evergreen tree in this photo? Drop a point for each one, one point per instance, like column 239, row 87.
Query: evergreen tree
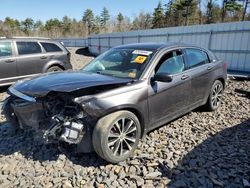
column 104, row 17
column 143, row 21
column 88, row 20
column 66, row 25
column 189, row 7
column 158, row 16
column 27, row 25
column 120, row 19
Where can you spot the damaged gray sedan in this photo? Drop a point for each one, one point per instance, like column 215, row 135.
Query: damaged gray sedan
column 118, row 97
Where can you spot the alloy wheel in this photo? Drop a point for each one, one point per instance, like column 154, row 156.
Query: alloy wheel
column 122, row 136
column 217, row 95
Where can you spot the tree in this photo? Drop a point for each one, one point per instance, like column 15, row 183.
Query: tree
column 14, row 24
column 97, row 25
column 53, row 27
column 66, row 25
column 88, row 20
column 213, row 12
column 104, row 17
column 143, row 21
column 234, row 9
column 27, row 25
column 158, row 16
column 120, row 19
column 189, row 8
column 11, row 26
column 173, row 13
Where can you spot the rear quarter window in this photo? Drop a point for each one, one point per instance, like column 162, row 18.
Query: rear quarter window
column 50, row 47
column 28, row 48
column 196, row 57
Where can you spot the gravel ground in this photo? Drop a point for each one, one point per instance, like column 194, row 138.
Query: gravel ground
column 200, row 149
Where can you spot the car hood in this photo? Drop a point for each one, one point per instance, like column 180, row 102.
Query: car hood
column 64, row 82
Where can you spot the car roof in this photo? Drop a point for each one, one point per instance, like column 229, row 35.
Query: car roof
column 153, row 46
column 25, row 39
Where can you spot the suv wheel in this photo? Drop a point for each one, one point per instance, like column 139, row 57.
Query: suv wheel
column 215, row 96
column 54, row 69
column 116, row 136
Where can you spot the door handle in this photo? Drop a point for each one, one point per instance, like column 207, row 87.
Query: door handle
column 209, row 67
column 184, row 77
column 9, row 60
column 43, row 57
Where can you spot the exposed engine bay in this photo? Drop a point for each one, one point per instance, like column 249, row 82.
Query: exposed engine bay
column 56, row 116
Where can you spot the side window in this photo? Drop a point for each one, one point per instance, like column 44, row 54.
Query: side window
column 196, row 58
column 171, row 63
column 5, row 49
column 28, row 48
column 50, row 47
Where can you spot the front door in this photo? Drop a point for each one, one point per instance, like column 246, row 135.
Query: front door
column 167, row 99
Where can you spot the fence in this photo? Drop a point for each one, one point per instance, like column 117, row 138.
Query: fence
column 229, row 41
column 74, row 42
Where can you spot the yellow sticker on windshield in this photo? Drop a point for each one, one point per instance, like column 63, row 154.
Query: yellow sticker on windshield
column 132, row 74
column 140, row 59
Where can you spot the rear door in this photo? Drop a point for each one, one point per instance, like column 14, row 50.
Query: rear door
column 7, row 62
column 30, row 58
column 54, row 52
column 201, row 71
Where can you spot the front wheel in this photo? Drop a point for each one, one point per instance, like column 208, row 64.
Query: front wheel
column 215, row 96
column 116, row 136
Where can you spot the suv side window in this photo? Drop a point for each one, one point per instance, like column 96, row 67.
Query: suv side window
column 28, row 48
column 196, row 58
column 50, row 47
column 171, row 63
column 5, row 49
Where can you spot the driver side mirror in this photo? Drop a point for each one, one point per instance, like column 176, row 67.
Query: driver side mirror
column 162, row 77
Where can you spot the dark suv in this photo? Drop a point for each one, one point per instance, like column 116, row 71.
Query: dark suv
column 25, row 57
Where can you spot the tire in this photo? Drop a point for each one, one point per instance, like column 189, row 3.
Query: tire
column 108, row 141
column 215, row 96
column 54, row 69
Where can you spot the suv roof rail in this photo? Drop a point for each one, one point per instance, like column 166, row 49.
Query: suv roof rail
column 20, row 37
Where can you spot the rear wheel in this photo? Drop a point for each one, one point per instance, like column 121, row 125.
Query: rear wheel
column 215, row 96
column 116, row 136
column 54, row 69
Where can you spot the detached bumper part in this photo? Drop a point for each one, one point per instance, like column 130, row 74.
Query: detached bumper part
column 28, row 113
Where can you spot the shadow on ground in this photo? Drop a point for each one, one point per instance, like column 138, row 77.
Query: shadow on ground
column 35, row 148
column 222, row 160
column 3, row 89
column 84, row 51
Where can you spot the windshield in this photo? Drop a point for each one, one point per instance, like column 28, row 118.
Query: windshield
column 122, row 63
